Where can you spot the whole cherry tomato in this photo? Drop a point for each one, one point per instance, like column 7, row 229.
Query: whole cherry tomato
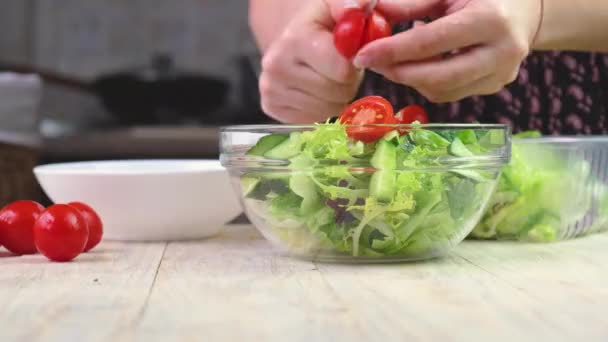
column 61, row 233
column 377, row 27
column 370, row 110
column 349, row 31
column 355, row 29
column 412, row 113
column 93, row 222
column 16, row 223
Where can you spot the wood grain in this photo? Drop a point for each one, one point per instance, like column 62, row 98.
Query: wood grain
column 235, row 287
column 91, row 299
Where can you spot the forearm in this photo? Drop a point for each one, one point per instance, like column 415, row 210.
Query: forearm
column 268, row 19
column 574, row 25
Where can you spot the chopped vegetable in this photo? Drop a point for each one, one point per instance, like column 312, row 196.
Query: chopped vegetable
column 541, row 196
column 393, row 196
column 356, row 29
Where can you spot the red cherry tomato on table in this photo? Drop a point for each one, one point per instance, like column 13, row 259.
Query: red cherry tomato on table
column 370, row 110
column 93, row 222
column 16, row 223
column 61, row 233
column 355, row 29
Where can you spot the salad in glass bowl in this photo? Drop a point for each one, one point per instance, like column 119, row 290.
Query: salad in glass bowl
column 554, row 188
column 358, row 190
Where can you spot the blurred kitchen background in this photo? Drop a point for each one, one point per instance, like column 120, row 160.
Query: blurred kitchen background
column 121, row 79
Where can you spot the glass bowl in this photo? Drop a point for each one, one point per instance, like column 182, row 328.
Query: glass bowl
column 317, row 194
column 555, row 188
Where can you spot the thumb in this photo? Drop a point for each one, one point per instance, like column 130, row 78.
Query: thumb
column 328, row 12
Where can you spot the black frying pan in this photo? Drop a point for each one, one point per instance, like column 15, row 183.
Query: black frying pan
column 154, row 94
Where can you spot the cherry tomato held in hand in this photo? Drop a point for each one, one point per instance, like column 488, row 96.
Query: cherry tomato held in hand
column 16, row 226
column 61, row 233
column 377, row 27
column 355, row 29
column 370, row 110
column 93, row 222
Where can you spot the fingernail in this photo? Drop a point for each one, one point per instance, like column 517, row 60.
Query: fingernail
column 377, row 71
column 351, row 4
column 362, row 61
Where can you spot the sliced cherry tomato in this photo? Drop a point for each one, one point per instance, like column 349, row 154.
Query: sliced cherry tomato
column 411, row 114
column 61, row 233
column 93, row 222
column 377, row 27
column 349, row 32
column 355, row 29
column 370, row 110
column 16, row 223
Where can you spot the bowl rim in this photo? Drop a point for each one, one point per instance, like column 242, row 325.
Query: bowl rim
column 562, row 139
column 130, row 167
column 236, row 158
column 264, row 128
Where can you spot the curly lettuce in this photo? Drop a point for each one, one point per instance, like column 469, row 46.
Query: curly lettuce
column 543, row 195
column 331, row 192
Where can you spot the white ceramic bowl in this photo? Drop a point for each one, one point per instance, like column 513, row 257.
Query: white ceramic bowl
column 147, row 200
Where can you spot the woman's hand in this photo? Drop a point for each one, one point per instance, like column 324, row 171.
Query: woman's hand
column 474, row 47
column 304, row 79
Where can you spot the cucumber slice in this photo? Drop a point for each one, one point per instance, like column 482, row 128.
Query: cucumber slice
column 470, row 174
column 267, row 143
column 385, row 157
column 493, row 138
column 382, row 185
column 497, row 137
column 305, row 187
column 287, row 149
column 467, row 136
column 382, row 182
column 248, row 184
column 392, row 135
column 458, row 149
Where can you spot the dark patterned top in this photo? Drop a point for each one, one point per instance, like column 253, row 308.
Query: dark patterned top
column 555, row 92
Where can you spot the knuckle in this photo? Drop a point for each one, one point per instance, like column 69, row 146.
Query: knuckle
column 434, row 96
column 439, row 82
column 343, row 73
column 496, row 88
column 265, row 85
column 520, row 49
column 267, row 106
column 499, row 16
column 419, row 47
column 391, row 74
column 271, row 61
column 511, row 77
column 517, row 50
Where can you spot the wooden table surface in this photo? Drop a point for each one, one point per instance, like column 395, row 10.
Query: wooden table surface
column 233, row 287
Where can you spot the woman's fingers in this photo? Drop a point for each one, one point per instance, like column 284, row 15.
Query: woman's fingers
column 442, row 75
column 316, row 48
column 304, row 79
column 408, row 10
column 292, row 105
column 486, row 86
column 300, row 75
column 452, row 32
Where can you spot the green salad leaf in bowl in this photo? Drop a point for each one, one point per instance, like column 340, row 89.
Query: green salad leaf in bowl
column 553, row 189
column 368, row 187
